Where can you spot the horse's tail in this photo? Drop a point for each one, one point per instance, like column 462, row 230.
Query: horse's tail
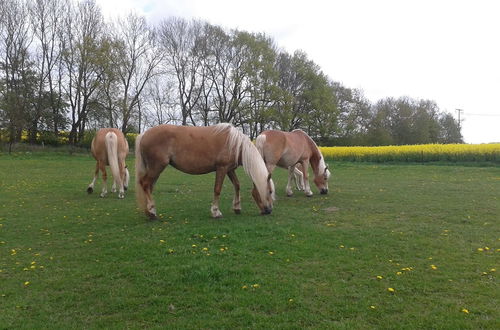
column 140, row 171
column 111, row 141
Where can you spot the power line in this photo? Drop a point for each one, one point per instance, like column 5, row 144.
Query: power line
column 482, row 114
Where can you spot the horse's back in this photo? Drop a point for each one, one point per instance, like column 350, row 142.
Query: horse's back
column 284, row 148
column 194, row 150
column 98, row 146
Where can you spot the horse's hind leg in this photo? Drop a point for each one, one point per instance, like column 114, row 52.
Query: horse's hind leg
column 102, row 167
column 236, row 200
column 90, row 188
column 219, row 180
column 289, row 185
column 126, row 178
column 299, row 180
column 121, row 180
column 145, row 190
column 307, row 187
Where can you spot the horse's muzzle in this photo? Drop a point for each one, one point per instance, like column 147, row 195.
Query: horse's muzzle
column 324, row 191
column 266, row 210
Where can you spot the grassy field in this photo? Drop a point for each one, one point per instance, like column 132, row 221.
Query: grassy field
column 391, row 246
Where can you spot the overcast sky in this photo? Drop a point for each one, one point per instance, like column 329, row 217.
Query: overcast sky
column 446, row 51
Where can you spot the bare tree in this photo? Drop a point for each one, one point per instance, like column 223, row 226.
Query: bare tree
column 160, row 99
column 184, row 47
column 227, row 58
column 136, row 63
column 46, row 18
column 17, row 76
column 83, row 54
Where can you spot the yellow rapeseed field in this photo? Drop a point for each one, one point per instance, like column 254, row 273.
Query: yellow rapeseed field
column 416, row 153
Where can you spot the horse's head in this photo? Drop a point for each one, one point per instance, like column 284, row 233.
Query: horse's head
column 264, row 199
column 321, row 179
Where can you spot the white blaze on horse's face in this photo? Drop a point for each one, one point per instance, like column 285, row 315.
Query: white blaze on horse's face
column 321, row 178
column 266, row 205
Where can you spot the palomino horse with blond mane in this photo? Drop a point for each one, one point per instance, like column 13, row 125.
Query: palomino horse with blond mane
column 288, row 149
column 109, row 147
column 200, row 150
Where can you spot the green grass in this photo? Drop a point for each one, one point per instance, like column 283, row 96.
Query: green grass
column 312, row 263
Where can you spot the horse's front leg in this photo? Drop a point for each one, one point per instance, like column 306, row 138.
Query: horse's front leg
column 220, row 173
column 236, row 200
column 90, row 188
column 307, row 187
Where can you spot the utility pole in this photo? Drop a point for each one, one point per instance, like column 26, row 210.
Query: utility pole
column 459, row 120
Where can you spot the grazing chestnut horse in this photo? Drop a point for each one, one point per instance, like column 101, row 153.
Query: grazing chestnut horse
column 200, row 150
column 294, row 151
column 109, row 147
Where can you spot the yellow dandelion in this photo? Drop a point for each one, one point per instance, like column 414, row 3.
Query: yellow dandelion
column 271, row 253
column 194, row 245
column 244, row 287
column 372, row 307
column 391, row 290
column 162, row 241
column 493, row 270
column 26, row 283
column 379, row 277
column 486, row 248
column 399, row 273
column 205, row 249
column 480, row 249
column 434, row 267
column 255, row 285
column 465, row 310
column 290, row 300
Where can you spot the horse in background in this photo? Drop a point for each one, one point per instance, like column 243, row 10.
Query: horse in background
column 109, row 147
column 294, row 151
column 200, row 150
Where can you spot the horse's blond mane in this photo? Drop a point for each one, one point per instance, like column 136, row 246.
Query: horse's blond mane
column 252, row 161
column 321, row 161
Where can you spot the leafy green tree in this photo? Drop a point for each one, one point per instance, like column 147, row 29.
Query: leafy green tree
column 449, row 129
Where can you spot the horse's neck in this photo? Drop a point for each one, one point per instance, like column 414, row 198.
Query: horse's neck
column 315, row 155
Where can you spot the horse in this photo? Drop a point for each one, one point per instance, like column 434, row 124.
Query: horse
column 294, row 151
column 200, row 150
column 109, row 147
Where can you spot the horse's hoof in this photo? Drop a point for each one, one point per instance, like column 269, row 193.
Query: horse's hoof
column 125, row 188
column 102, row 195
column 309, row 195
column 289, row 195
column 121, row 196
column 90, row 190
column 237, row 211
column 217, row 215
